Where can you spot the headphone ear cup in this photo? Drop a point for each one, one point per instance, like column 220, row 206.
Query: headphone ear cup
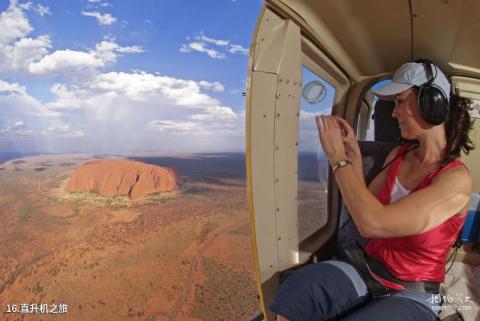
column 433, row 104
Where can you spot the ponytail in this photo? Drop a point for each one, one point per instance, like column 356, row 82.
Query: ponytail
column 457, row 127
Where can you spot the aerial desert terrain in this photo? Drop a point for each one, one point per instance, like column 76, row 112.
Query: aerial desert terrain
column 185, row 254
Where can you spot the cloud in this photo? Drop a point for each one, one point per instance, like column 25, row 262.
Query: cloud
column 214, row 41
column 22, row 54
column 221, row 47
column 42, row 10
column 62, row 131
column 102, row 19
column 62, row 61
column 20, row 113
column 106, row 111
column 179, row 126
column 13, row 23
column 11, row 88
column 119, row 111
column 215, row 86
column 200, row 47
column 130, row 49
column 94, row 1
column 238, row 49
column 164, row 113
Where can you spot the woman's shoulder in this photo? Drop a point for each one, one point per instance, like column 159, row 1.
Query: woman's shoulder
column 456, row 175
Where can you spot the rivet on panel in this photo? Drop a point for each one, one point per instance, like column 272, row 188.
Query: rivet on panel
column 296, row 143
column 276, row 180
column 279, row 238
column 278, row 209
column 277, row 96
column 280, row 79
column 277, row 114
column 287, row 81
column 298, row 114
column 265, row 115
column 295, row 83
column 277, row 148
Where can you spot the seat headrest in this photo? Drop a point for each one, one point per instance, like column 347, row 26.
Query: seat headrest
column 386, row 127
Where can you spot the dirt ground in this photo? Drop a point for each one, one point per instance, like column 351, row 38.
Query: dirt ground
column 185, row 255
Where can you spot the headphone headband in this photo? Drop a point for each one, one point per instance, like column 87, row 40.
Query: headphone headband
column 428, row 70
column 432, row 100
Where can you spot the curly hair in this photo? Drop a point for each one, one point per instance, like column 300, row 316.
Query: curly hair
column 457, row 127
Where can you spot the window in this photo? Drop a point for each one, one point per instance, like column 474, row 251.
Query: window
column 366, row 117
column 317, row 99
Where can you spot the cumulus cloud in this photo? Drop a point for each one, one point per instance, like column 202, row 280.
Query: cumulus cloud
column 13, row 23
column 119, row 111
column 9, row 88
column 21, row 114
column 102, row 19
column 215, row 86
column 62, row 61
column 106, row 111
column 221, row 47
column 22, row 54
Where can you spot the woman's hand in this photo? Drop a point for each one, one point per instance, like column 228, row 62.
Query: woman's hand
column 351, row 146
column 331, row 138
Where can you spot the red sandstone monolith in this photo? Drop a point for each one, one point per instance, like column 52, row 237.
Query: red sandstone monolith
column 110, row 177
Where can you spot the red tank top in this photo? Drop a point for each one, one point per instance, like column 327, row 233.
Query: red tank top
column 419, row 257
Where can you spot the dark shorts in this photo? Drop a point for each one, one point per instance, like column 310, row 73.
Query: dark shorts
column 334, row 290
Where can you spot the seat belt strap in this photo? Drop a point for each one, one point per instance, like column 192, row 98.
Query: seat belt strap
column 357, row 257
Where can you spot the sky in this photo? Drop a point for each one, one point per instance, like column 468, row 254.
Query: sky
column 124, row 76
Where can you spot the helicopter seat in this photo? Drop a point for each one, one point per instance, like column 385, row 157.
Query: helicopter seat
column 374, row 153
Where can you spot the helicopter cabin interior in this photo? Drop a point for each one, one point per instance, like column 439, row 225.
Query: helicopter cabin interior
column 313, row 57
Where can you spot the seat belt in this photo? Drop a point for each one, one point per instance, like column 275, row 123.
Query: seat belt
column 368, row 265
column 356, row 255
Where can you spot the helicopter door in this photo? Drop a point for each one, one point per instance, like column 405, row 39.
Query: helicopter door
column 288, row 204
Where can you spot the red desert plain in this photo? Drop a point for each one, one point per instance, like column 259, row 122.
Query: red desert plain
column 138, row 237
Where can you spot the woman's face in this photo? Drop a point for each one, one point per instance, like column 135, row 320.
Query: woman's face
column 407, row 113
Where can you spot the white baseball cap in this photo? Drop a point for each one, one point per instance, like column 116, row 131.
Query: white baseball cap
column 412, row 74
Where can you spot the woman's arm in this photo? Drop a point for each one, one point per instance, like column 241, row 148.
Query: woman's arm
column 418, row 212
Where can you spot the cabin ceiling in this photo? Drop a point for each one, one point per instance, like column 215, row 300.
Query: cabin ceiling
column 372, row 37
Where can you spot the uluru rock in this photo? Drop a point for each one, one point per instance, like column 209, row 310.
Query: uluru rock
column 123, row 177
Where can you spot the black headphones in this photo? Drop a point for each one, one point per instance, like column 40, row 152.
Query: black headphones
column 432, row 100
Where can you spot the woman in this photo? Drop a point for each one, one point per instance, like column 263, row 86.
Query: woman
column 412, row 211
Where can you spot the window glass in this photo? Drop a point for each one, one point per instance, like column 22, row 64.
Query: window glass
column 366, row 118
column 317, row 99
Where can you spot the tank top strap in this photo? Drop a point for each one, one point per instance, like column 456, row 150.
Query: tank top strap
column 392, row 172
column 428, row 179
